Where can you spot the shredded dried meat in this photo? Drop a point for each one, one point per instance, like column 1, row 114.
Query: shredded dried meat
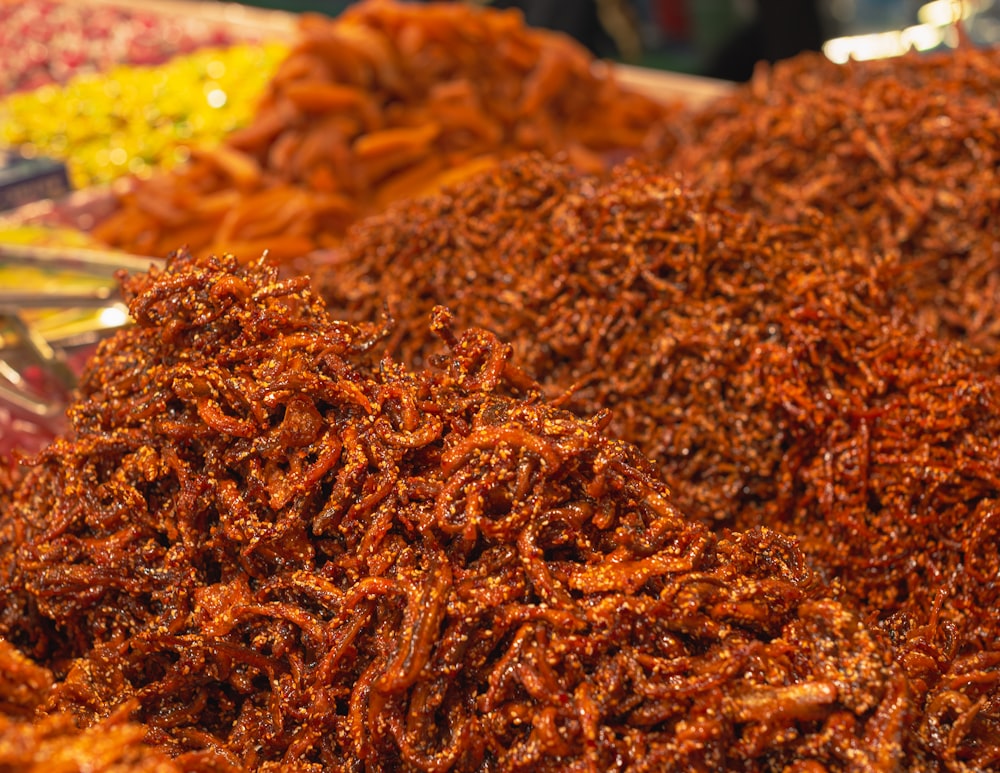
column 776, row 377
column 272, row 556
column 902, row 154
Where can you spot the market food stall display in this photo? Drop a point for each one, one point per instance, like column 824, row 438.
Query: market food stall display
column 446, row 399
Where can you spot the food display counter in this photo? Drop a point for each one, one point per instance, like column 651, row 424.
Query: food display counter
column 419, row 393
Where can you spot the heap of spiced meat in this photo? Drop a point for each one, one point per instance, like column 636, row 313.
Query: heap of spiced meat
column 902, row 154
column 640, row 294
column 272, row 557
column 776, row 378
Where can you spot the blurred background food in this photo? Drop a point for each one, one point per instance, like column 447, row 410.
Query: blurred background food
column 118, row 88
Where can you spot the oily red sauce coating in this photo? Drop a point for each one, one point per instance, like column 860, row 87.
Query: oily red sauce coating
column 775, row 378
column 274, row 557
column 902, row 154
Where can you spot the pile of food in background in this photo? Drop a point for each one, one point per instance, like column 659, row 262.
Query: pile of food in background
column 130, row 120
column 902, row 154
column 45, row 42
column 101, row 90
column 388, row 100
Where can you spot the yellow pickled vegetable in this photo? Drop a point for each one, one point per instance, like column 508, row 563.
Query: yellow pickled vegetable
column 133, row 119
column 45, row 235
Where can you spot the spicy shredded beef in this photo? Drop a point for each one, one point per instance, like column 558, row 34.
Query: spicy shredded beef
column 776, row 376
column 269, row 555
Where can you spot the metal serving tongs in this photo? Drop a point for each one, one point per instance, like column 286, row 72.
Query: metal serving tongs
column 15, row 387
column 41, row 322
column 80, row 259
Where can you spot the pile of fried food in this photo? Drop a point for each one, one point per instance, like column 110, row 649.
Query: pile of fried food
column 274, row 553
column 685, row 465
column 776, row 377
